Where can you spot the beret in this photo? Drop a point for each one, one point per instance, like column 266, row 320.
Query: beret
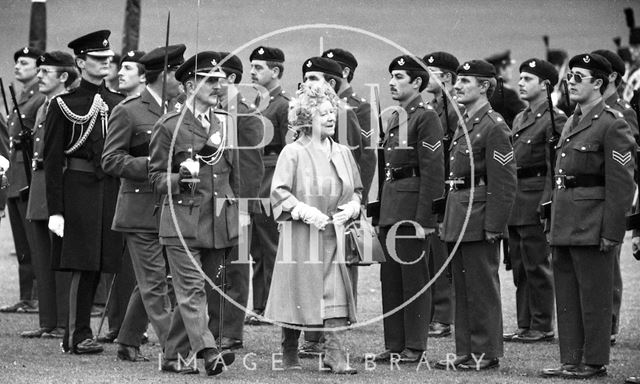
column 202, row 64
column 267, row 54
column 479, row 68
column 557, row 56
column 133, row 56
column 591, row 61
column 31, row 52
column 617, row 64
column 322, row 64
column 56, row 59
column 541, row 68
column 230, row 63
column 154, row 60
column 407, row 63
column 442, row 60
column 500, row 58
column 343, row 57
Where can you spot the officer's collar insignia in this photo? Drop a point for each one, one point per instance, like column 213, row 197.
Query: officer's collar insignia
column 130, row 53
column 532, row 64
column 105, row 42
column 430, row 59
column 586, row 59
column 401, row 61
column 261, row 51
column 330, row 55
column 466, row 66
column 25, row 50
column 309, row 64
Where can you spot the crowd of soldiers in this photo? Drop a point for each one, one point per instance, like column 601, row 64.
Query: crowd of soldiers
column 145, row 178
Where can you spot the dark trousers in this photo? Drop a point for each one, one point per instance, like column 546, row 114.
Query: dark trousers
column 408, row 327
column 19, row 229
column 442, row 288
column 81, row 291
column 478, row 318
column 53, row 286
column 264, row 247
column 532, row 276
column 121, row 295
column 617, row 292
column 584, row 290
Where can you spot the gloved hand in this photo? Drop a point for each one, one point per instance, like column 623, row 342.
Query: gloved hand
column 245, row 219
column 56, row 224
column 310, row 215
column 345, row 212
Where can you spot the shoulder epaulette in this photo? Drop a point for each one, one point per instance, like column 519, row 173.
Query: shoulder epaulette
column 129, row 98
column 168, row 116
column 623, row 103
column 495, row 116
column 617, row 114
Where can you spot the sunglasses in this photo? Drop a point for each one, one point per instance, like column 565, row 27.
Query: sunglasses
column 578, row 77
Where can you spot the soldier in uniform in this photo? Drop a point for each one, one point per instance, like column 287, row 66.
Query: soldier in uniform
column 267, row 67
column 443, row 66
column 125, row 155
column 198, row 184
column 505, row 101
column 611, row 98
column 249, row 132
column 81, row 198
column 29, row 100
column 593, row 192
column 131, row 76
column 532, row 135
column 56, row 73
column 414, row 166
column 478, row 317
column 362, row 109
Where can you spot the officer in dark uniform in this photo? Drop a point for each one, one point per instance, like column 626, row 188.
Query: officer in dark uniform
column 505, row 100
column 593, row 192
column 196, row 208
column 478, row 317
column 29, row 100
column 362, row 109
column 532, row 136
column 125, row 155
column 414, row 166
column 249, row 133
column 81, row 198
column 443, row 66
column 56, row 73
column 267, row 67
column 612, row 99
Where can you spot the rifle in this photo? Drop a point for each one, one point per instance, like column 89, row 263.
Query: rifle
column 26, row 142
column 166, row 64
column 545, row 208
column 565, row 87
column 4, row 97
column 373, row 208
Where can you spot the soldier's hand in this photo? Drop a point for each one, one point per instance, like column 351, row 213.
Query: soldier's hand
column 56, row 224
column 245, row 219
column 429, row 231
column 184, row 174
column 441, row 231
column 492, row 237
column 606, row 245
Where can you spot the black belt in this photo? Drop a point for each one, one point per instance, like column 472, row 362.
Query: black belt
column 401, row 173
column 272, row 150
column 576, row 181
column 78, row 164
column 465, row 182
column 527, row 172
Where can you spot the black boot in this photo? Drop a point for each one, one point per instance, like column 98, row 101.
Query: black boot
column 335, row 356
column 290, row 348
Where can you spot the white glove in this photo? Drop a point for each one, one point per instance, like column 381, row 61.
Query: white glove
column 345, row 212
column 310, row 215
column 56, row 224
column 245, row 219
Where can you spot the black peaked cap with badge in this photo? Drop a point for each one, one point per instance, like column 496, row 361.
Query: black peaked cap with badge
column 154, row 60
column 132, row 56
column 322, row 64
column 407, row 63
column 205, row 63
column 267, row 54
column 31, row 52
column 342, row 56
column 479, row 68
column 94, row 44
column 592, row 62
column 617, row 64
column 56, row 59
column 541, row 68
column 442, row 60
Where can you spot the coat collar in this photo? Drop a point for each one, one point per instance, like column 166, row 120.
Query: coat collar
column 473, row 120
column 585, row 122
column 152, row 105
column 536, row 112
column 30, row 89
column 193, row 125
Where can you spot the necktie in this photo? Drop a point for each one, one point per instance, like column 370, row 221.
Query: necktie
column 576, row 118
column 204, row 120
column 526, row 114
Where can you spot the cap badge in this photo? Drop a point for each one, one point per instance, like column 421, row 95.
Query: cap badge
column 261, row 51
column 42, row 59
column 532, row 64
column 25, row 50
column 430, row 59
column 213, row 62
column 105, row 42
column 401, row 61
column 130, row 53
column 309, row 64
column 330, row 55
column 586, row 59
column 466, row 66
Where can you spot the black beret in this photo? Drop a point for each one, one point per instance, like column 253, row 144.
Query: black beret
column 322, row 64
column 407, row 63
column 56, row 59
column 133, row 56
column 617, row 64
column 478, row 68
column 541, row 68
column 267, row 54
column 94, row 44
column 557, row 56
column 230, row 63
column 31, row 52
column 625, row 54
column 154, row 60
column 442, row 60
column 634, row 36
column 500, row 59
column 202, row 64
column 591, row 61
column 343, row 57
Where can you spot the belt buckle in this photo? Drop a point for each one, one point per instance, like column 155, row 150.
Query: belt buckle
column 453, row 184
column 560, row 179
column 387, row 174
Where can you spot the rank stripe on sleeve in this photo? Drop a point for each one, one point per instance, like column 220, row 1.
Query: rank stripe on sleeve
column 432, row 147
column 503, row 159
column 623, row 159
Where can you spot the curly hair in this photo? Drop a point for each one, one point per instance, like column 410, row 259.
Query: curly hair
column 305, row 104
